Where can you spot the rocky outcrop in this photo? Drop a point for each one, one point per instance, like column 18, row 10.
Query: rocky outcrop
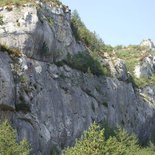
column 146, row 68
column 116, row 66
column 148, row 43
column 120, row 70
column 41, row 32
column 52, row 105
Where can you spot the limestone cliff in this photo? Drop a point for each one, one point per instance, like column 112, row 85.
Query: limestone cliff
column 50, row 104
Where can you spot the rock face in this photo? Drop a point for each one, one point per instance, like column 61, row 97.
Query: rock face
column 149, row 43
column 6, row 84
column 146, row 68
column 52, row 105
column 55, row 104
column 120, row 70
column 41, row 32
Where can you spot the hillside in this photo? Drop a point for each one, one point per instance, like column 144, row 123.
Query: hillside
column 57, row 77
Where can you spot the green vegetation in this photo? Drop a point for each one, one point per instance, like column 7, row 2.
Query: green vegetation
column 89, row 62
column 90, row 39
column 86, row 63
column 131, row 54
column 143, row 81
column 55, row 150
column 8, row 144
column 50, row 21
column 94, row 142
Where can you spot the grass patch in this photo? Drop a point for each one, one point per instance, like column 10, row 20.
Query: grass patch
column 132, row 55
column 143, row 81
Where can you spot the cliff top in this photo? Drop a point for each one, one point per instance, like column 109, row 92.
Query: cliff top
column 21, row 2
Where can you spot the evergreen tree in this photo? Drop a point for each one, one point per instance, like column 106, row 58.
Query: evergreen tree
column 93, row 142
column 8, row 144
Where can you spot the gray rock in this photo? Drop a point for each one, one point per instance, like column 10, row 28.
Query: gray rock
column 7, row 91
column 121, row 70
column 148, row 43
column 146, row 68
column 42, row 34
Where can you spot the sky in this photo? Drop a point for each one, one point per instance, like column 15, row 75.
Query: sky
column 117, row 22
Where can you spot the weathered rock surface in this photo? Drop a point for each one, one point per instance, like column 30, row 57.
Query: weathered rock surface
column 120, row 70
column 51, row 105
column 41, row 32
column 55, row 104
column 7, row 87
column 148, row 43
column 146, row 68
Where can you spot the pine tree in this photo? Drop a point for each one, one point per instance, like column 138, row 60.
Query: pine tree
column 94, row 142
column 8, row 144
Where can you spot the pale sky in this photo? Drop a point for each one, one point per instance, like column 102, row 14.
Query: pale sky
column 118, row 22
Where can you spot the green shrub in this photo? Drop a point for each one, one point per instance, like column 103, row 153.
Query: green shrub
column 8, row 144
column 91, row 143
column 90, row 39
column 87, row 64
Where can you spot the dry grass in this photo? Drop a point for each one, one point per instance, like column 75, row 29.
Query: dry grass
column 14, row 52
column 21, row 2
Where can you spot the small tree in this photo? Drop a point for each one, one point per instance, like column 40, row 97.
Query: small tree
column 8, row 144
column 93, row 142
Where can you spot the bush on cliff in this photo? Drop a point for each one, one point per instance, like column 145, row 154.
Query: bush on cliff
column 86, row 63
column 8, row 144
column 88, row 38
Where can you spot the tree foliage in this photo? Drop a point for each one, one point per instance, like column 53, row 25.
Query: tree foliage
column 86, row 63
column 8, row 144
column 90, row 39
column 94, row 142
